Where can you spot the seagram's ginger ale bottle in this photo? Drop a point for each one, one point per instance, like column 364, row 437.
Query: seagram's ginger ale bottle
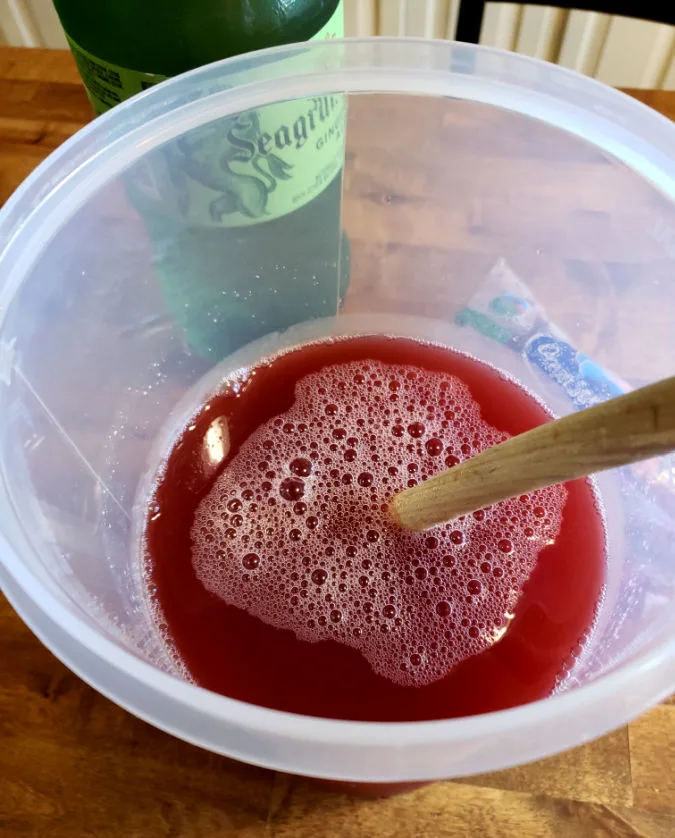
column 244, row 212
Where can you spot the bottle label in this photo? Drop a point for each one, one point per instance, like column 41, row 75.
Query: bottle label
column 109, row 84
column 240, row 170
column 246, row 169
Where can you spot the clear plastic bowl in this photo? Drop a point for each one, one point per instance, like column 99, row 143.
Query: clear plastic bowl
column 458, row 159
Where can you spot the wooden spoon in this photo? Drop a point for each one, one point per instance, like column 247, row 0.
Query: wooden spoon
column 633, row 427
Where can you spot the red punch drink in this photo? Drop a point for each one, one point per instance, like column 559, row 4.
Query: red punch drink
column 277, row 577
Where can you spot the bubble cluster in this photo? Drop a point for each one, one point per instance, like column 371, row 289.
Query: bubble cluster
column 296, row 530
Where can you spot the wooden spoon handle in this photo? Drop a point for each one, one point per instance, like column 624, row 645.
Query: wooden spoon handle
column 636, row 426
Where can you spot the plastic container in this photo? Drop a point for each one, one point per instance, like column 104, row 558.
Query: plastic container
column 456, row 157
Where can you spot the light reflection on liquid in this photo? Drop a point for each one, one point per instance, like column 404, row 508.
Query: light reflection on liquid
column 216, row 443
column 498, row 633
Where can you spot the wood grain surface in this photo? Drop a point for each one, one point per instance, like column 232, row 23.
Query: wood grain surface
column 74, row 764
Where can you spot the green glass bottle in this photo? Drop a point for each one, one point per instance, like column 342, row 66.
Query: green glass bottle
column 244, row 213
column 123, row 46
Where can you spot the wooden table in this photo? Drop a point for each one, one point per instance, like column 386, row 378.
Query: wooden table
column 74, row 764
